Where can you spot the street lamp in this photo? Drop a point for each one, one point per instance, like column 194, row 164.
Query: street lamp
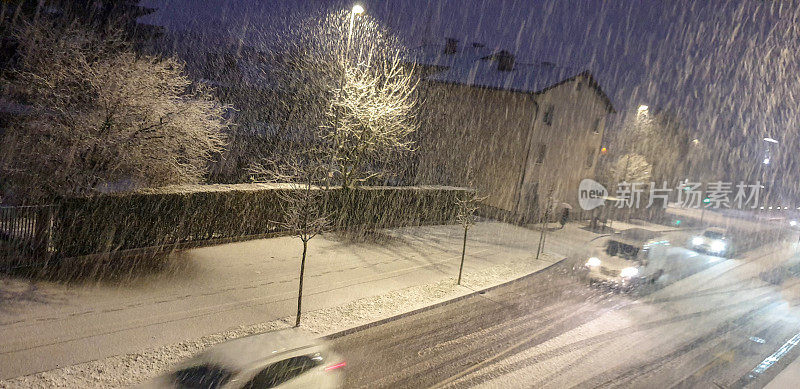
column 357, row 10
column 643, row 109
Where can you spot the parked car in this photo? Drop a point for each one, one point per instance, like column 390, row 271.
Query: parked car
column 281, row 359
column 712, row 240
column 629, row 258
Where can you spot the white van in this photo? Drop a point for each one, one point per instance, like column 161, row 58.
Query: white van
column 629, row 258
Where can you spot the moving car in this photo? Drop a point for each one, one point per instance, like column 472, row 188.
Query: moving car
column 712, row 240
column 280, row 359
column 629, row 258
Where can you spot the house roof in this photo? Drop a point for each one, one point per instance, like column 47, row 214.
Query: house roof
column 477, row 66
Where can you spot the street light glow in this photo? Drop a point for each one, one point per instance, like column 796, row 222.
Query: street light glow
column 770, row 140
column 358, row 9
column 766, row 161
column 643, row 108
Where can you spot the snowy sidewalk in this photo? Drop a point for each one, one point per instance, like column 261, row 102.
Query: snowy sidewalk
column 211, row 290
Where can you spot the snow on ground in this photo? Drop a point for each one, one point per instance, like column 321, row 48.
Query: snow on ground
column 131, row 369
column 198, row 292
column 646, row 329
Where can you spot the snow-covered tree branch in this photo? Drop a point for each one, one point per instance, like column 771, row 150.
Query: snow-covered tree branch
column 349, row 84
column 103, row 117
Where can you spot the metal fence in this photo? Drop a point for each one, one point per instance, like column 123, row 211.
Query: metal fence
column 27, row 227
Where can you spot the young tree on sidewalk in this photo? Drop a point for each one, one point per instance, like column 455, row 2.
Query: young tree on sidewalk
column 303, row 203
column 466, row 217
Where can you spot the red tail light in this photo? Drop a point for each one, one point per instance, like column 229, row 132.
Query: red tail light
column 336, row 366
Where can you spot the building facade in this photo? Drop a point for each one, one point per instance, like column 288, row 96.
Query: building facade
column 523, row 134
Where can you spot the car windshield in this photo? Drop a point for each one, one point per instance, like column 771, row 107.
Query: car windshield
column 202, row 377
column 622, row 250
column 713, row 235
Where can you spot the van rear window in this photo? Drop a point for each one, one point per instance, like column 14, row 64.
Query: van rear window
column 623, row 250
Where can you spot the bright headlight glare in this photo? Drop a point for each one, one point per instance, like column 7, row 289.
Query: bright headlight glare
column 697, row 240
column 717, row 246
column 629, row 272
column 593, row 262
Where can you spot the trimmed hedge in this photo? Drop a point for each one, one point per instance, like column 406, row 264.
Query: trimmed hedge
column 161, row 219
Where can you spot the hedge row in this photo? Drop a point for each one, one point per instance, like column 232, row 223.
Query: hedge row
column 106, row 224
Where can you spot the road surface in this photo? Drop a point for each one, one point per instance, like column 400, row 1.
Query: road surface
column 717, row 324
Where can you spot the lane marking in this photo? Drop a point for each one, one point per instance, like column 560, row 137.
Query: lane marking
column 775, row 357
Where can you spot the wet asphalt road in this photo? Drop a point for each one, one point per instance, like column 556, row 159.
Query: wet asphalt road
column 472, row 341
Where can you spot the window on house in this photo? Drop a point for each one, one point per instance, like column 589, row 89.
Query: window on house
column 596, row 126
column 541, row 150
column 548, row 115
column 590, row 159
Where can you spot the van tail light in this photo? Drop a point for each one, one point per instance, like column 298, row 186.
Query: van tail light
column 336, row 366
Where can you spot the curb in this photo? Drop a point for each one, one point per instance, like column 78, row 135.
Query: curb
column 362, row 327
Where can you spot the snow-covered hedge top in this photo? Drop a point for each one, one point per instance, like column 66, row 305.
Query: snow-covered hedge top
column 201, row 188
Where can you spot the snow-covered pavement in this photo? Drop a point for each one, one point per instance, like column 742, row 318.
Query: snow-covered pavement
column 704, row 330
column 206, row 291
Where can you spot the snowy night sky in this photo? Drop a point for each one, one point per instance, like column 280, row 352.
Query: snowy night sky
column 704, row 59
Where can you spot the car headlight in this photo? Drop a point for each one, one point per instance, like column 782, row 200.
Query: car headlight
column 697, row 240
column 629, row 272
column 717, row 246
column 593, row 262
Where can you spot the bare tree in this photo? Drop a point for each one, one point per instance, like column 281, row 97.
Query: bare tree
column 466, row 217
column 631, row 168
column 370, row 118
column 101, row 117
column 348, row 83
column 302, row 203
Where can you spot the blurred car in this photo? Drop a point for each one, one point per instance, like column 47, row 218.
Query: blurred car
column 712, row 240
column 630, row 258
column 280, row 359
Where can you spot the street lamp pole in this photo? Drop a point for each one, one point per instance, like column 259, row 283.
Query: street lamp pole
column 357, row 10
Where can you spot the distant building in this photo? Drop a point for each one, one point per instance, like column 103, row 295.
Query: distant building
column 524, row 134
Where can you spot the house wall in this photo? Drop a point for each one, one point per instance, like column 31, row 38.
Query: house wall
column 475, row 137
column 571, row 141
column 488, row 139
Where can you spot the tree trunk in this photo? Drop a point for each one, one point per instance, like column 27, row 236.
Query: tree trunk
column 463, row 250
column 544, row 228
column 300, row 291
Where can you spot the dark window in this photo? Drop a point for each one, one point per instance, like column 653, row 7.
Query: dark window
column 202, row 377
column 623, row 250
column 590, row 159
column 541, row 151
column 596, row 126
column 548, row 115
column 578, row 85
column 280, row 372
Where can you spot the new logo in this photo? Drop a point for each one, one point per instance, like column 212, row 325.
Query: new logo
column 591, row 194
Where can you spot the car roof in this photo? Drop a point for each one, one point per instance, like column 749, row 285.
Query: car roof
column 636, row 235
column 243, row 352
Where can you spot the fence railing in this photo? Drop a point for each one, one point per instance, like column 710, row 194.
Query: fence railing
column 27, row 227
